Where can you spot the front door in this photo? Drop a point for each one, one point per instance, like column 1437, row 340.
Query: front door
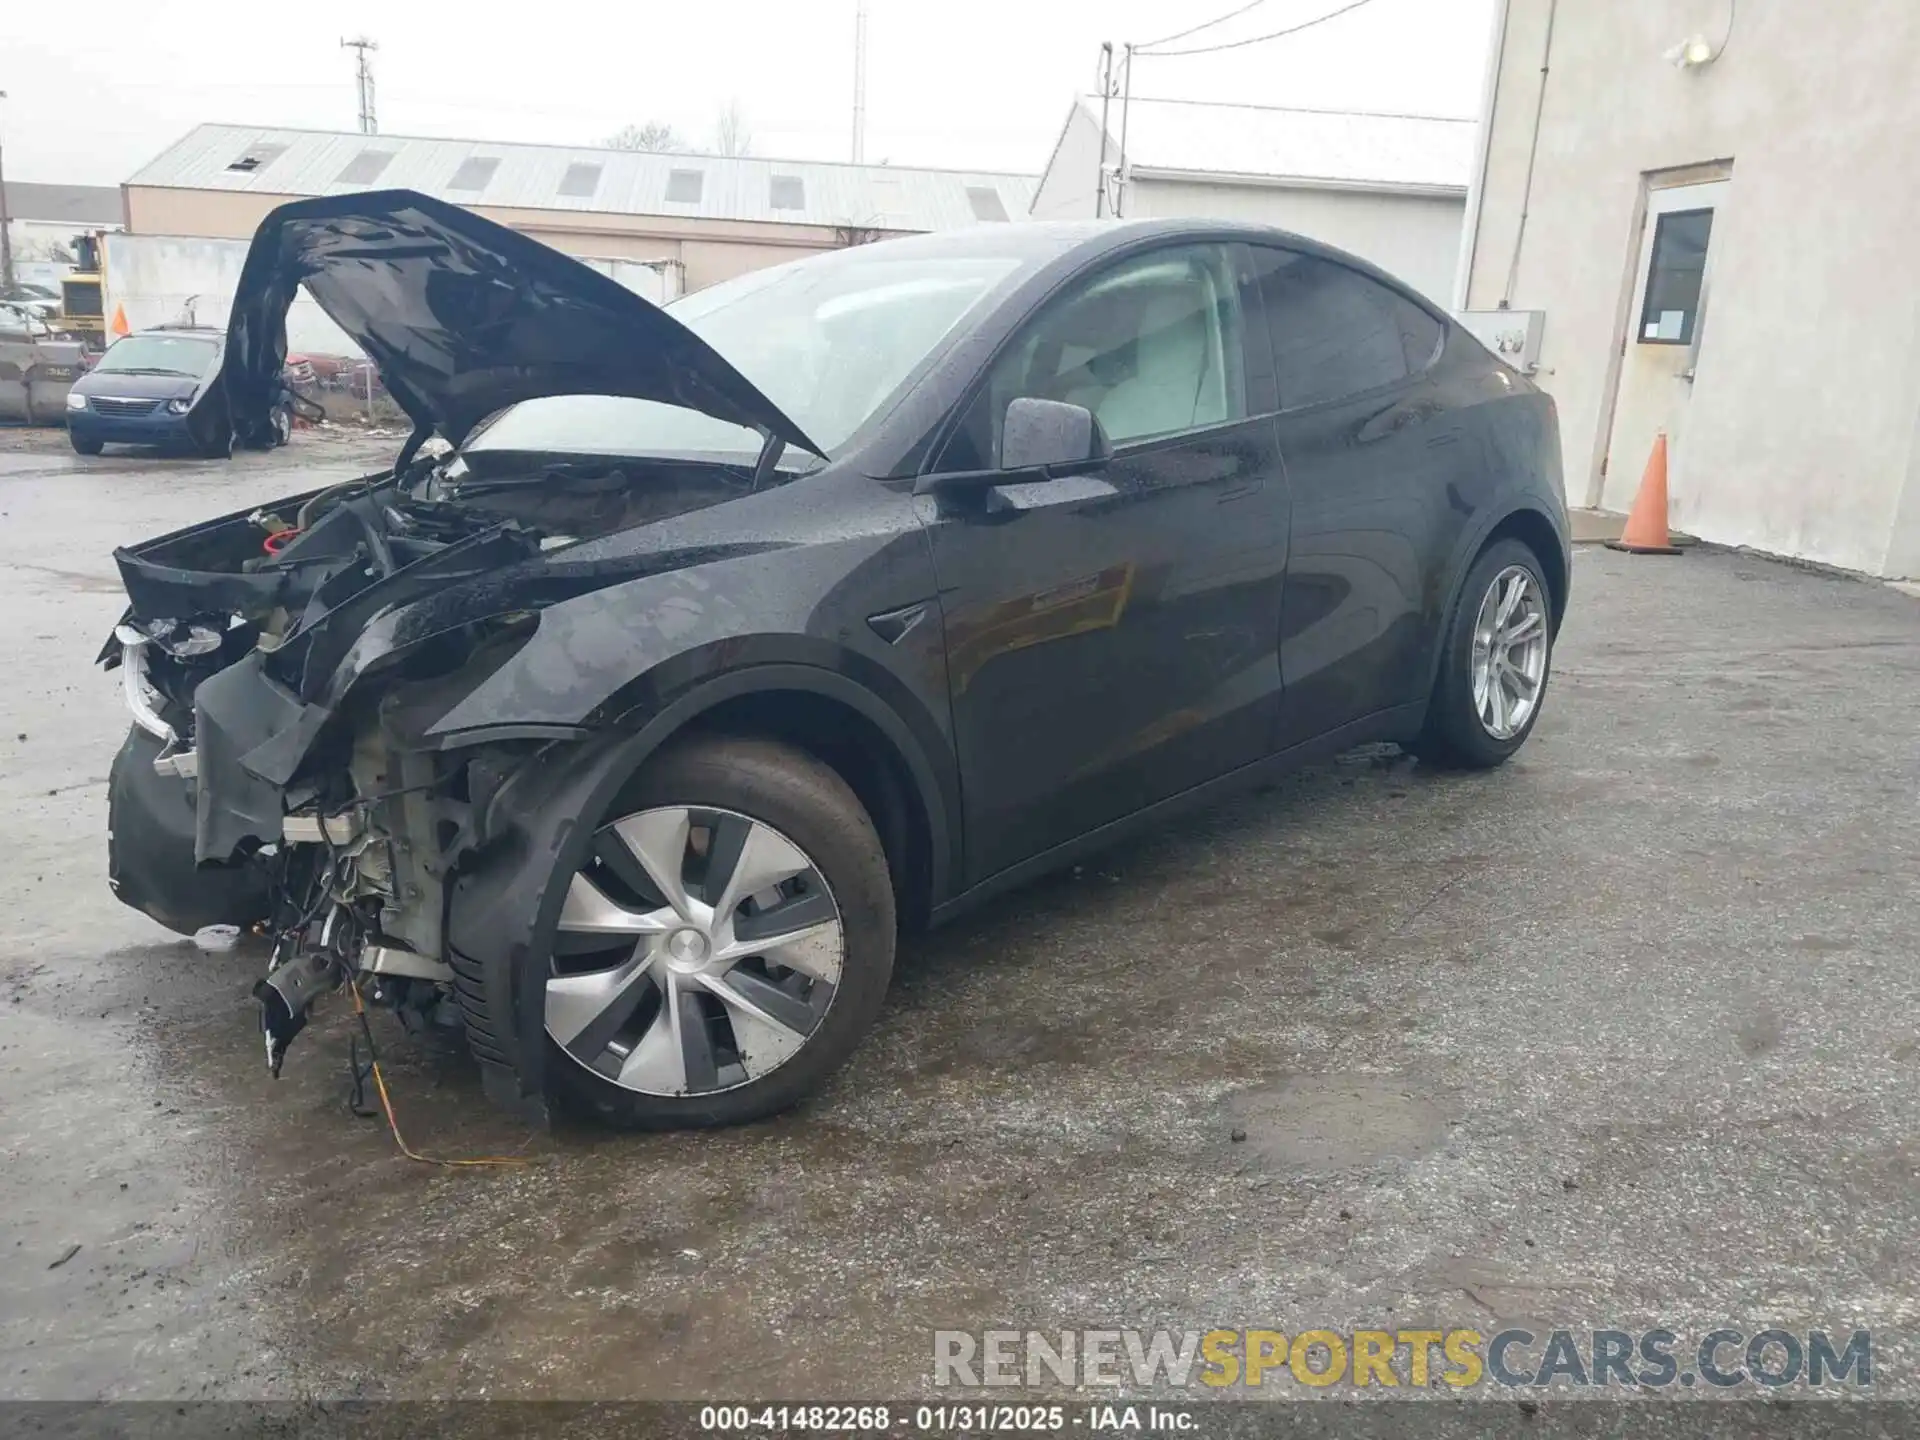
column 1111, row 637
column 1666, row 320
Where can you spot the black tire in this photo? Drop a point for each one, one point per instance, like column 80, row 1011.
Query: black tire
column 808, row 802
column 1454, row 735
column 282, row 426
column 84, row 446
column 219, row 445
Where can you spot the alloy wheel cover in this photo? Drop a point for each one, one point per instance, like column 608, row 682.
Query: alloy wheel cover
column 698, row 950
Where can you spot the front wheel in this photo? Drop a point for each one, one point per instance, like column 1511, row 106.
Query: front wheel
column 282, row 425
column 726, row 944
column 1493, row 664
column 84, row 445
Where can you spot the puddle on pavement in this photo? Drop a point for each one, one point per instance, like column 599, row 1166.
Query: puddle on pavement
column 1336, row 1122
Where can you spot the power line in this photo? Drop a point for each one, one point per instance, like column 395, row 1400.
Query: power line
column 1205, row 25
column 1256, row 39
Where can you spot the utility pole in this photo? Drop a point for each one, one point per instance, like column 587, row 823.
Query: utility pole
column 1106, row 94
column 363, row 77
column 859, row 81
column 6, row 222
column 1126, row 107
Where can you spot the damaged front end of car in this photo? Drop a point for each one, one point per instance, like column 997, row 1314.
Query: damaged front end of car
column 272, row 662
column 290, row 669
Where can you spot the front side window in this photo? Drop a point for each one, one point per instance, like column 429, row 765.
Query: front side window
column 1151, row 346
column 1336, row 333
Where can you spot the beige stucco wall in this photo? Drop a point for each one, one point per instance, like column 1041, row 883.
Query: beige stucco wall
column 1801, row 429
column 1415, row 237
column 710, row 250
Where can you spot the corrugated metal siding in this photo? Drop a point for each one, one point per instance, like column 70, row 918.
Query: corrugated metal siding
column 631, row 183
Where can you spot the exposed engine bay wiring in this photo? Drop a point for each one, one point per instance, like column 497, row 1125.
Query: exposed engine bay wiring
column 329, row 962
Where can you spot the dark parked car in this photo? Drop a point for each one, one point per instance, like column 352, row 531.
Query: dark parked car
column 160, row 387
column 730, row 638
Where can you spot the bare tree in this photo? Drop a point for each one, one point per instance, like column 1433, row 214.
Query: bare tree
column 730, row 133
column 654, row 135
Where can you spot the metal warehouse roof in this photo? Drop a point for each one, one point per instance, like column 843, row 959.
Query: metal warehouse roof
column 1339, row 147
column 64, row 204
column 618, row 182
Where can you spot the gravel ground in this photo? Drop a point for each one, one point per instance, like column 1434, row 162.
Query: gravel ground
column 1620, row 1036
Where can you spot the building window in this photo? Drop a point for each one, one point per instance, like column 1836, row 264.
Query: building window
column 986, row 203
column 474, row 174
column 257, row 157
column 785, row 192
column 364, row 168
column 1673, row 280
column 580, row 181
column 684, row 186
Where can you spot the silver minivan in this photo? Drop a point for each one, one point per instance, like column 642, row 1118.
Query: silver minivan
column 36, row 370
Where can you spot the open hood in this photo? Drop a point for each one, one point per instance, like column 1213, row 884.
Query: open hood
column 464, row 316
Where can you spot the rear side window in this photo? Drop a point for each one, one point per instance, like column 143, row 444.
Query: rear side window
column 1335, row 332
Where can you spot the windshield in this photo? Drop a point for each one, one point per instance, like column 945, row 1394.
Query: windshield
column 158, row 354
column 828, row 339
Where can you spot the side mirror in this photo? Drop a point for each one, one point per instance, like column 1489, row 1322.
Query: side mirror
column 1053, row 436
column 1041, row 440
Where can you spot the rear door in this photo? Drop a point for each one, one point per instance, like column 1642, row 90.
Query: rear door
column 1110, row 637
column 1370, row 448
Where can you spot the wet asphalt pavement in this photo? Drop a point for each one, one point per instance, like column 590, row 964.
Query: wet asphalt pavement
column 1621, row 1035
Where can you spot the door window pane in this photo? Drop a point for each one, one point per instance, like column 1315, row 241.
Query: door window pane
column 1673, row 280
column 1335, row 332
column 1151, row 347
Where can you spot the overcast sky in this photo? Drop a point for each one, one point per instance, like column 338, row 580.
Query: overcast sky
column 97, row 90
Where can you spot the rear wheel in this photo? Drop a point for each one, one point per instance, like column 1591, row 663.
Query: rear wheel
column 282, row 425
column 1494, row 664
column 726, row 944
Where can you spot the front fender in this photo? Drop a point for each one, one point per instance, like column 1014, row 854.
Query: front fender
column 536, row 830
column 645, row 656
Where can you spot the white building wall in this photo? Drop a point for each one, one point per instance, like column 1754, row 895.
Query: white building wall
column 1800, row 429
column 1413, row 237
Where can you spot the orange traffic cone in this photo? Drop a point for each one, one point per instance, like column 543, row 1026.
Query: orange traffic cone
column 1646, row 529
column 120, row 326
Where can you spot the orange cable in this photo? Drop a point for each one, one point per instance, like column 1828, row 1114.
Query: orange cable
column 386, row 1104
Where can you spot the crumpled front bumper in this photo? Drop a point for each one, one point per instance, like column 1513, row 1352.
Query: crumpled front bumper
column 150, row 851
